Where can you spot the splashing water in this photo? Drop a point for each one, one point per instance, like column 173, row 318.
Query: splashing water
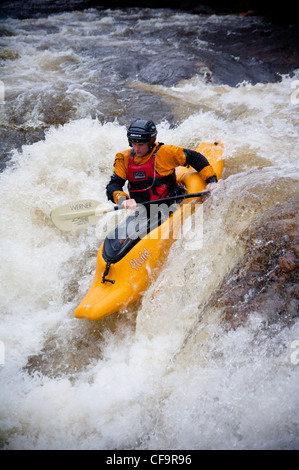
column 197, row 363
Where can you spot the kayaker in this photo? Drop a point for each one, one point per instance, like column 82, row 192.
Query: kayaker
column 149, row 167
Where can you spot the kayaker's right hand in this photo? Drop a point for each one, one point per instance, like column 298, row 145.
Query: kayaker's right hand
column 130, row 204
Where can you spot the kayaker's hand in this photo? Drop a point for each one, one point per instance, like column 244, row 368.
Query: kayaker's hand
column 130, row 204
column 212, row 186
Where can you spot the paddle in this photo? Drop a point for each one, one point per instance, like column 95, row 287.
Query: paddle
column 80, row 214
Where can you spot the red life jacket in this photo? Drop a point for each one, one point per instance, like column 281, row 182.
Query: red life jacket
column 145, row 184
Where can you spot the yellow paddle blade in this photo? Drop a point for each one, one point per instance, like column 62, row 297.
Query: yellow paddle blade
column 79, row 214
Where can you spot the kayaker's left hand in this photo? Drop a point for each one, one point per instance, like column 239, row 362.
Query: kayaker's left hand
column 130, row 204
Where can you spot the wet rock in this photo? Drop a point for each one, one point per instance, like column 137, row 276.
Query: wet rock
column 203, row 9
column 266, row 280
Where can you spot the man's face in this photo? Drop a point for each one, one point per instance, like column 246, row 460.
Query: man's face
column 140, row 149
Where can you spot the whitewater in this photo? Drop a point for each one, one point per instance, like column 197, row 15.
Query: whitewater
column 183, row 368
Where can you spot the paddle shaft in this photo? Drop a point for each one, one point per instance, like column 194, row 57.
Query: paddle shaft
column 171, row 198
column 80, row 214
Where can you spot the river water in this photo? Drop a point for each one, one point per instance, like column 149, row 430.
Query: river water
column 208, row 359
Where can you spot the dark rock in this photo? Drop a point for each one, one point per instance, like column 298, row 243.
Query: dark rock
column 266, row 280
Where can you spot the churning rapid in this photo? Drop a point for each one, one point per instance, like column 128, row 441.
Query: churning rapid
column 209, row 358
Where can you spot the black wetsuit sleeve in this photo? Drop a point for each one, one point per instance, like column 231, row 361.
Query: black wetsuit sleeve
column 212, row 179
column 198, row 162
column 116, row 183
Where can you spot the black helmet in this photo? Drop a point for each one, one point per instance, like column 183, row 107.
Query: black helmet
column 142, row 131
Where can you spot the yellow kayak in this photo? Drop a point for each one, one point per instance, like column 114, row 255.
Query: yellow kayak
column 126, row 264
